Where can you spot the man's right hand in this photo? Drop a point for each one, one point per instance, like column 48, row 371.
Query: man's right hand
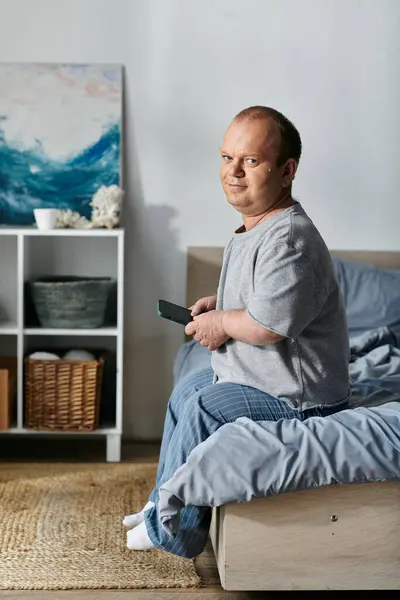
column 203, row 305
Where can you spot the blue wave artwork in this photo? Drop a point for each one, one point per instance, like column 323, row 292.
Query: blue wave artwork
column 29, row 179
column 60, row 137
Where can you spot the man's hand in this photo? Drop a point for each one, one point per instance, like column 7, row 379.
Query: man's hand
column 207, row 329
column 203, row 305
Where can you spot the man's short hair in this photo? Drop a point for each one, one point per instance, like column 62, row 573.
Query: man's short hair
column 290, row 137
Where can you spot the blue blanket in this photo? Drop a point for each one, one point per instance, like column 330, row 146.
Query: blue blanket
column 361, row 444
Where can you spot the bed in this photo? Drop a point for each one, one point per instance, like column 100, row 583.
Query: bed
column 343, row 536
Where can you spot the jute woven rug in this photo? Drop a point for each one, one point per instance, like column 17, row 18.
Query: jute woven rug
column 60, row 528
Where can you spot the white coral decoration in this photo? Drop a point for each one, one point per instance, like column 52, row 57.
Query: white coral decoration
column 107, row 204
column 68, row 218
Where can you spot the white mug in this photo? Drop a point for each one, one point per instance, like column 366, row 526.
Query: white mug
column 46, row 218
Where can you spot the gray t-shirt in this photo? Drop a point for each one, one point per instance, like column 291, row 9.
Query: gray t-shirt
column 282, row 273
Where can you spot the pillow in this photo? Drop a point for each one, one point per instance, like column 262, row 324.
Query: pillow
column 371, row 296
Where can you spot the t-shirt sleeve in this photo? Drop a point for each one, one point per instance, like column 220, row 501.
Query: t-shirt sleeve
column 287, row 292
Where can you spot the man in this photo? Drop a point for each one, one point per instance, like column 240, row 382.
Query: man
column 277, row 327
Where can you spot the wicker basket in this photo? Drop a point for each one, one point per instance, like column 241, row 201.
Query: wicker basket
column 62, row 394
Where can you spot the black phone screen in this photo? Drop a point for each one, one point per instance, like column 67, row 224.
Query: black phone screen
column 176, row 313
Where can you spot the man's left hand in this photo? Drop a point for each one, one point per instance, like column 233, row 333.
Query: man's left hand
column 207, row 329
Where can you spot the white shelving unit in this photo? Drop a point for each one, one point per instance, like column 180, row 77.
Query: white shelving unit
column 26, row 253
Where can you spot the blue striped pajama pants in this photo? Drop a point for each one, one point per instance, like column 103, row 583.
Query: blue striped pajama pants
column 196, row 409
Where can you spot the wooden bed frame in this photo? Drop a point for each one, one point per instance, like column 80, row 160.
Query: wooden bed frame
column 342, row 537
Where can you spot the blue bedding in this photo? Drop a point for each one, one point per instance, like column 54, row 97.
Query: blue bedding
column 361, row 444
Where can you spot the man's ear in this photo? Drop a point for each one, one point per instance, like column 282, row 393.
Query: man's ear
column 289, row 171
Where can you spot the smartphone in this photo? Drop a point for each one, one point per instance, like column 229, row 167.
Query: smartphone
column 176, row 313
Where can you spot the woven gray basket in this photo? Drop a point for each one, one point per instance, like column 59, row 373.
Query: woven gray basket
column 71, row 302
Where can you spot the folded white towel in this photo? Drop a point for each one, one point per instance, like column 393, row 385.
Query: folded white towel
column 44, row 356
column 78, row 355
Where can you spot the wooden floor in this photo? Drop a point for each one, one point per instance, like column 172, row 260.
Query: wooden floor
column 55, row 449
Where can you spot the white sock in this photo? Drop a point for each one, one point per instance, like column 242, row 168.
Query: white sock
column 134, row 520
column 138, row 538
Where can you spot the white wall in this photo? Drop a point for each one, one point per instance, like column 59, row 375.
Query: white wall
column 332, row 66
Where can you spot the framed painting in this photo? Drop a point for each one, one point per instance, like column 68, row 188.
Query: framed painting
column 60, row 136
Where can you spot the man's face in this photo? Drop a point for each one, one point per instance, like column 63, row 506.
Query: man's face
column 250, row 177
